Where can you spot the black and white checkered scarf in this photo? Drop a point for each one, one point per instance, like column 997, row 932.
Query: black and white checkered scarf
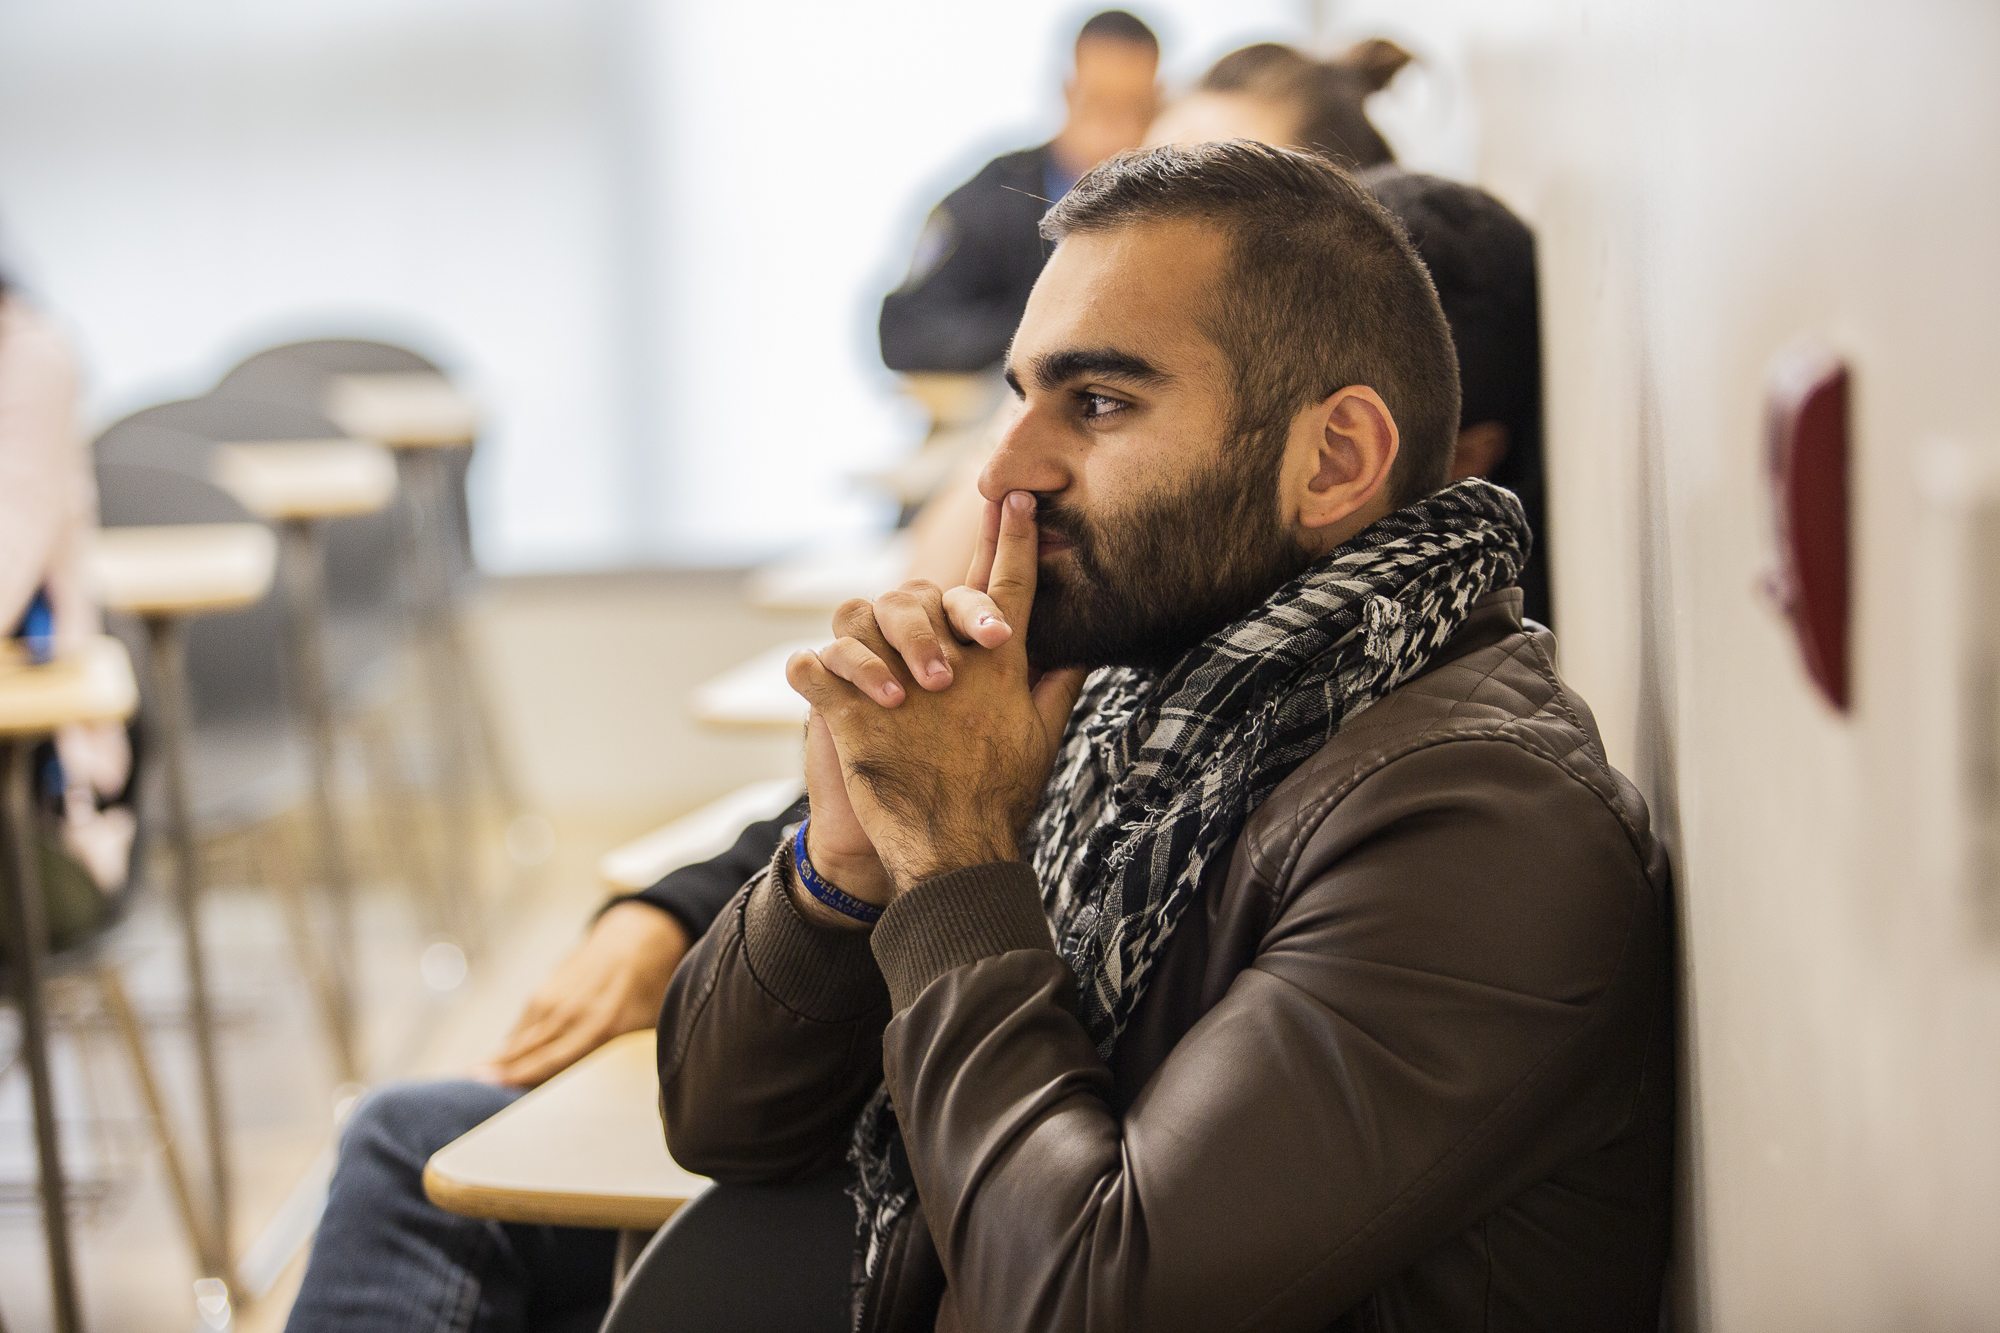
column 1160, row 770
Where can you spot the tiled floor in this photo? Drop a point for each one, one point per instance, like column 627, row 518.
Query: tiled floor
column 590, row 677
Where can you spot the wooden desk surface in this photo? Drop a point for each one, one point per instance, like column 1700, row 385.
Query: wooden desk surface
column 93, row 684
column 696, row 836
column 755, row 694
column 185, row 567
column 952, row 399
column 824, row 577
column 585, row 1149
column 403, row 411
column 307, row 478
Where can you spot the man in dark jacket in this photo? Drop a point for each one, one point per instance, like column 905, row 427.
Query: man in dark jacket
column 979, row 252
column 1305, row 966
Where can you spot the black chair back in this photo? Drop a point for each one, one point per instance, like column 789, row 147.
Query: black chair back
column 746, row 1259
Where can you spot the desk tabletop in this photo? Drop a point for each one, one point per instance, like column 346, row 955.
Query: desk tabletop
column 696, row 836
column 585, row 1149
column 307, row 478
column 822, row 578
column 92, row 684
column 403, row 411
column 183, row 568
column 755, row 694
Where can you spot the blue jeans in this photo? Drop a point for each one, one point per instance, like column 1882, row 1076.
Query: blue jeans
column 387, row 1260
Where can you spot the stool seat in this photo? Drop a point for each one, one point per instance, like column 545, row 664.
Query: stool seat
column 183, row 567
column 92, row 684
column 289, row 479
column 403, row 411
column 755, row 694
column 583, row 1150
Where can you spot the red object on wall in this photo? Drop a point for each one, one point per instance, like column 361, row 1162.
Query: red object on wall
column 1806, row 438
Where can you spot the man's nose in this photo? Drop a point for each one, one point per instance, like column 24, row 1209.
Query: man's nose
column 1027, row 458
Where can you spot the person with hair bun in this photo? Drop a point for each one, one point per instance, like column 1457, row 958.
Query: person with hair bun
column 1279, row 95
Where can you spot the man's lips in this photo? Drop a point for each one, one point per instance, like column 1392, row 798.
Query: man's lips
column 1050, row 543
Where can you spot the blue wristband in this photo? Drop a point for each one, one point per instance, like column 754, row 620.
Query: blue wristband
column 844, row 903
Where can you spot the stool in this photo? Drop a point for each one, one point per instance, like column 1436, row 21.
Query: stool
column 421, row 416
column 164, row 575
column 298, row 485
column 92, row 685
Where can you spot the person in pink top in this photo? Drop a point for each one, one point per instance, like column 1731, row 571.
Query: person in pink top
column 48, row 507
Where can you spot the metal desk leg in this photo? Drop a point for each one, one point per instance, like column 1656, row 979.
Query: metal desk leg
column 299, row 563
column 22, row 890
column 170, row 733
column 431, row 513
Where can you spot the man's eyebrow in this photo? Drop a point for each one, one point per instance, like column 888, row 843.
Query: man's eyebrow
column 1056, row 369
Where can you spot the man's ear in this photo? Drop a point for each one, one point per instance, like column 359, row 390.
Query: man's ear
column 1481, row 449
column 1337, row 463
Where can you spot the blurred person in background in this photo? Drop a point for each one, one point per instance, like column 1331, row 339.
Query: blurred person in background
column 979, row 253
column 1276, row 94
column 1482, row 260
column 48, row 508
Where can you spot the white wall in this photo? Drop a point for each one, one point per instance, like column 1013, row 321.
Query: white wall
column 185, row 182
column 653, row 234
column 1709, row 181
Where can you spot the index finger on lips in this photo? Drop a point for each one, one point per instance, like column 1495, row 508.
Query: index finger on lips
column 1016, row 559
column 982, row 554
column 975, row 617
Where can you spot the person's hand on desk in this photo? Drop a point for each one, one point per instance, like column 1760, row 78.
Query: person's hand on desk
column 611, row 984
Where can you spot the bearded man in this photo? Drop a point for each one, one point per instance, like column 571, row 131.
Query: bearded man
column 1304, row 965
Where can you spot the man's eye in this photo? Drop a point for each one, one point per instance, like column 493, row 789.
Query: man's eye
column 1096, row 405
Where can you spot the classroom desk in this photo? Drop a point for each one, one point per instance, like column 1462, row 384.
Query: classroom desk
column 822, row 578
column 307, row 479
column 697, row 835
column 163, row 575
column 299, row 485
column 583, row 1150
column 421, row 416
column 94, row 684
column 404, row 411
column 182, row 569
column 755, row 694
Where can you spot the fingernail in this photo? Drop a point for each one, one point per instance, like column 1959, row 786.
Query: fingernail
column 936, row 671
column 1023, row 502
column 891, row 692
column 985, row 619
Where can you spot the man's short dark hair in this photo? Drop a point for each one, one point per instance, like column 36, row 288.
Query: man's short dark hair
column 1118, row 26
column 1323, row 289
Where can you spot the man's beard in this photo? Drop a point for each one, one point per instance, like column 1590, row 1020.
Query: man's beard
column 1159, row 579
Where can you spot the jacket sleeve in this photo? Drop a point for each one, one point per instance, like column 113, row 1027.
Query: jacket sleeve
column 694, row 895
column 770, row 1040
column 1447, row 963
column 964, row 296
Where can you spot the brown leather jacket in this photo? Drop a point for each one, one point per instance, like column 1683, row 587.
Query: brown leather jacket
column 1411, row 1068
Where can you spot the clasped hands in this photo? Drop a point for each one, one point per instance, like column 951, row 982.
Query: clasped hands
column 930, row 737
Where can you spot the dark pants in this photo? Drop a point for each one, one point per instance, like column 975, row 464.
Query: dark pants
column 387, row 1260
